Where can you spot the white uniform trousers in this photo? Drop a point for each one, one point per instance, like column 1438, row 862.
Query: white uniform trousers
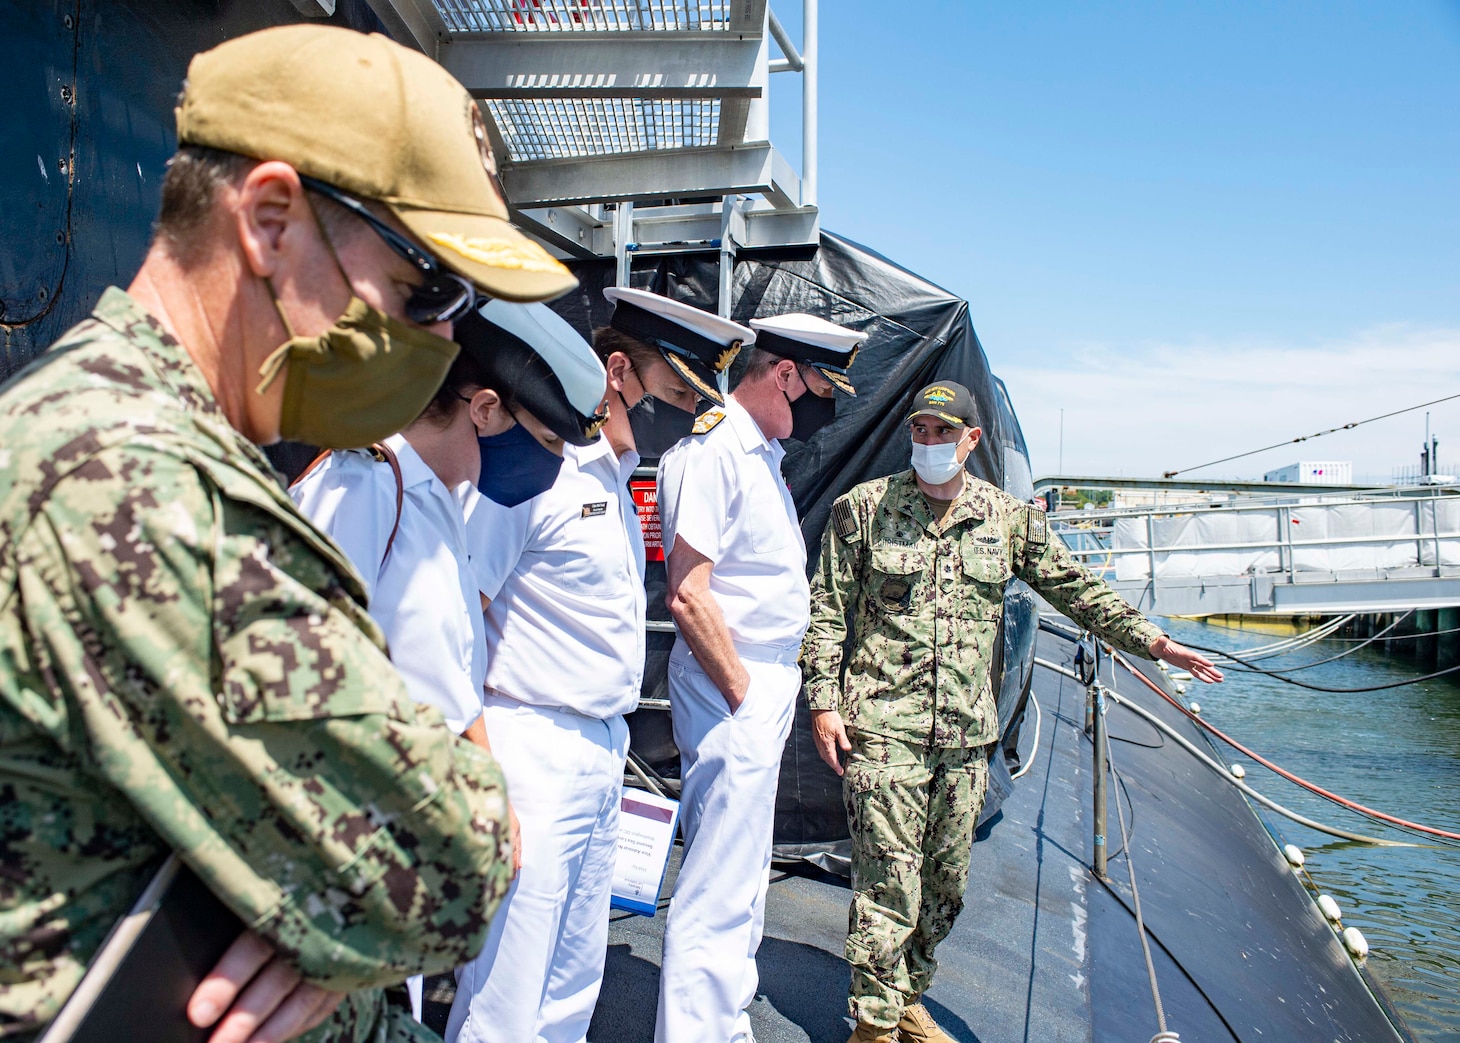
column 729, row 768
column 537, row 978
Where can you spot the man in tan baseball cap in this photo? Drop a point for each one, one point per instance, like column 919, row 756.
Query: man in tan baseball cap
column 375, row 121
column 190, row 670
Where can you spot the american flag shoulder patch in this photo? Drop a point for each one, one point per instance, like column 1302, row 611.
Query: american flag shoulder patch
column 844, row 521
column 1036, row 528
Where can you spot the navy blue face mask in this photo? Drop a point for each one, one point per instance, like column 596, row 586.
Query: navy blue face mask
column 515, row 466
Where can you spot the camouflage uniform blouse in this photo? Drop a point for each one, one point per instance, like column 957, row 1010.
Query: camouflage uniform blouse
column 925, row 600
column 186, row 663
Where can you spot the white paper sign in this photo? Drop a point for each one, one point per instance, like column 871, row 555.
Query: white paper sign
column 645, row 837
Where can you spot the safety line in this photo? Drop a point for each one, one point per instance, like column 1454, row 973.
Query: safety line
column 1225, row 775
column 1292, row 644
column 1034, row 750
column 1276, row 676
column 1403, row 637
column 1130, row 862
column 1243, row 660
column 1311, row 787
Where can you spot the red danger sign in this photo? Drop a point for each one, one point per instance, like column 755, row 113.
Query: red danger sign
column 646, row 499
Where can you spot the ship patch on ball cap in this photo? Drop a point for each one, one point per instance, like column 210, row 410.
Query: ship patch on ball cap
column 950, row 402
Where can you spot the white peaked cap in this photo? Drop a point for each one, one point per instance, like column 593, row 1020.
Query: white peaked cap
column 697, row 345
column 825, row 346
column 811, row 329
column 560, row 345
column 706, row 324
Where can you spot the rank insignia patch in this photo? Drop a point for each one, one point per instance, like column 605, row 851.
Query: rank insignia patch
column 707, row 420
column 844, row 521
column 1036, row 529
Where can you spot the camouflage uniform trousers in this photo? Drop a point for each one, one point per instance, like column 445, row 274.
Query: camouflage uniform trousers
column 912, row 810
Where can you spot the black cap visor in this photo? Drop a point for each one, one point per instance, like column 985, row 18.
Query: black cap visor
column 520, row 374
column 696, row 374
column 831, row 363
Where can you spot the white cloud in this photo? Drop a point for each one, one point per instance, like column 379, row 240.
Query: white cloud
column 1140, row 410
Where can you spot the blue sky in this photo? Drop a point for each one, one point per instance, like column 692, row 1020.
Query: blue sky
column 1197, row 229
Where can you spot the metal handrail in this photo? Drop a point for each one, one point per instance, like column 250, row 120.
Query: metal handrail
column 1400, row 537
column 1246, row 506
column 1284, row 542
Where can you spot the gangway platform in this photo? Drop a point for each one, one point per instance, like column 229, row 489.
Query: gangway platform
column 1304, row 551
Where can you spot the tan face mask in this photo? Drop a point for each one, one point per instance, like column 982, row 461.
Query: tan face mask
column 363, row 379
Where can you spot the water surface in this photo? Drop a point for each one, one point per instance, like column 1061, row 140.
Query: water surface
column 1397, row 751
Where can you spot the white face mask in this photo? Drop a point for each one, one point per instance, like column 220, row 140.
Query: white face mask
column 936, row 464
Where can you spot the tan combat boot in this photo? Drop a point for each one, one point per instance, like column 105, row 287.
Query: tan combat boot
column 918, row 1026
column 872, row 1034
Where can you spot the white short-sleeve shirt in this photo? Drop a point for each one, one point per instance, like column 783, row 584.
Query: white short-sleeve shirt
column 723, row 494
column 424, row 595
column 565, row 575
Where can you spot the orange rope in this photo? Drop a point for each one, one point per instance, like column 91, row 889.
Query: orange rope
column 1341, row 801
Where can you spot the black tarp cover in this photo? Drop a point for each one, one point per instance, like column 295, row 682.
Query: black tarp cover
column 916, row 333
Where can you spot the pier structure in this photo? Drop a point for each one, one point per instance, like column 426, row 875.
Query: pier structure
column 1280, row 549
column 1430, row 638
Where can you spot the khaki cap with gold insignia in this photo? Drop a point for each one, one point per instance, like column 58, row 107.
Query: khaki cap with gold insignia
column 373, row 119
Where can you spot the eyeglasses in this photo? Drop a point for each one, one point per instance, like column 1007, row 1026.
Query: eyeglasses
column 826, row 392
column 442, row 296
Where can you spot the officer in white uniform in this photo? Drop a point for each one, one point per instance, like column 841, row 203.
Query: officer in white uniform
column 739, row 597
column 399, row 512
column 400, row 515
column 564, row 573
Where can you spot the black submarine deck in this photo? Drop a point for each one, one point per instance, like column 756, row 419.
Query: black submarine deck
column 1044, row 951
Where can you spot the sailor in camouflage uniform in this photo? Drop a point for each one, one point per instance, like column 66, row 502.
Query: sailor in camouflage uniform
column 918, row 563
column 186, row 663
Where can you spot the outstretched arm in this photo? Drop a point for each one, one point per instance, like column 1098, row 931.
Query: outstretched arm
column 1202, row 668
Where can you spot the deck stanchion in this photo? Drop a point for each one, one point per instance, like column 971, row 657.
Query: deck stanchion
column 1435, row 531
column 1096, row 705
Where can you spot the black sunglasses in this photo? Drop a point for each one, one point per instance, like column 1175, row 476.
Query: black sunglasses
column 442, row 296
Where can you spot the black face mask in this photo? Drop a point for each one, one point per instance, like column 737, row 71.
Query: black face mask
column 657, row 425
column 809, row 413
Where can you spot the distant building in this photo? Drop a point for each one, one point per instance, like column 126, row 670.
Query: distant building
column 1314, row 472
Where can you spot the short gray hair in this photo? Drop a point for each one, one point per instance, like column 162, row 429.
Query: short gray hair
column 195, row 176
column 758, row 363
